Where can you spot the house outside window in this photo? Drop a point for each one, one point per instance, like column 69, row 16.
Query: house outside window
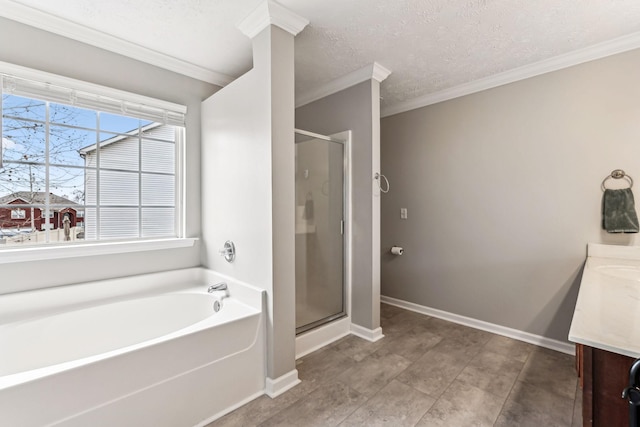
column 18, row 214
column 109, row 164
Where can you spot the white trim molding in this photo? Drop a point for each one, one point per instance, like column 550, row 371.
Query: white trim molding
column 597, row 51
column 268, row 13
column 275, row 387
column 63, row 27
column 228, row 410
column 561, row 346
column 372, row 71
column 75, row 250
column 317, row 338
column 371, row 335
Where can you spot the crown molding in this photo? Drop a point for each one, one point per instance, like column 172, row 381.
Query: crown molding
column 580, row 56
column 54, row 24
column 268, row 13
column 372, row 71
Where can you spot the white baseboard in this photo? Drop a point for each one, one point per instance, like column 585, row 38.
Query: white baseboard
column 228, row 410
column 275, row 387
column 539, row 340
column 317, row 338
column 372, row 335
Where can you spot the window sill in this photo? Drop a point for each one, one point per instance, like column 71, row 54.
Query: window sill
column 90, row 249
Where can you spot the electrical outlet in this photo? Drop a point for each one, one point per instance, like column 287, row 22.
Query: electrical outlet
column 403, row 213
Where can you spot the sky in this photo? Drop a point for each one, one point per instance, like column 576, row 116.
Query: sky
column 71, row 129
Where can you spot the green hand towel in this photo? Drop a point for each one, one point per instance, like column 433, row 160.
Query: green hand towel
column 619, row 212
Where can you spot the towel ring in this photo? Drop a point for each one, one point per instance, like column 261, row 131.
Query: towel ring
column 378, row 177
column 617, row 174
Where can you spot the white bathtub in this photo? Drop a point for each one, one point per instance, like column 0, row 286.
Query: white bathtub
column 140, row 351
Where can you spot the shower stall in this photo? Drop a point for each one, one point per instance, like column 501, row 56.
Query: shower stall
column 320, row 190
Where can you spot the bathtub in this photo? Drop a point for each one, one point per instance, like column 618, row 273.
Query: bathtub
column 139, row 351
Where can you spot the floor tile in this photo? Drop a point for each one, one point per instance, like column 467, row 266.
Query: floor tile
column 426, row 372
column 460, row 332
column 491, row 372
column 461, row 350
column 497, row 384
column 411, row 345
column 496, row 363
column 326, row 406
column 552, row 371
column 432, row 373
column 395, row 405
column 256, row 411
column 356, row 347
column 529, row 405
column 374, row 372
column 403, row 322
column 323, row 365
column 463, row 405
column 577, row 408
column 509, row 347
column 387, row 311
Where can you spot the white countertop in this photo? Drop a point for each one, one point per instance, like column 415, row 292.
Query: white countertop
column 607, row 313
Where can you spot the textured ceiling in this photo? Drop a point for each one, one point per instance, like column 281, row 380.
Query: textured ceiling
column 429, row 45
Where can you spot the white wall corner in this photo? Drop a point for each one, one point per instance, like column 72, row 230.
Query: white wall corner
column 268, row 13
column 372, row 71
column 275, row 387
column 371, row 335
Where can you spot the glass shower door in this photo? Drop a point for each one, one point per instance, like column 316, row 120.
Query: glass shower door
column 319, row 186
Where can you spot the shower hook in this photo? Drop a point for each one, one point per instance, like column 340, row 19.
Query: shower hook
column 378, row 176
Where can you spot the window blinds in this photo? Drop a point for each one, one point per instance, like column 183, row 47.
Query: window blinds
column 48, row 87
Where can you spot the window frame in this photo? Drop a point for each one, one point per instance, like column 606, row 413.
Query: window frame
column 15, row 211
column 111, row 246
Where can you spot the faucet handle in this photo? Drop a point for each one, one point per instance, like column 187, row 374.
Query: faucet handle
column 228, row 251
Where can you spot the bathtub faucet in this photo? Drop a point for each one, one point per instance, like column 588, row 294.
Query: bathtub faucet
column 222, row 286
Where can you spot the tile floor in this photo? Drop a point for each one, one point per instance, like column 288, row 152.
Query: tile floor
column 425, row 372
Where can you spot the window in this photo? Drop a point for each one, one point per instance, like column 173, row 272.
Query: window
column 18, row 214
column 107, row 161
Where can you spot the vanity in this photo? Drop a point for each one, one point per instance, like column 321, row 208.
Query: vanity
column 606, row 330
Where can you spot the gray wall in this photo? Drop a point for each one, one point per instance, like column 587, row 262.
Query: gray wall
column 503, row 193
column 351, row 109
column 44, row 51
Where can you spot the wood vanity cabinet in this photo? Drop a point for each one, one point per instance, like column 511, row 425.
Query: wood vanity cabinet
column 603, row 376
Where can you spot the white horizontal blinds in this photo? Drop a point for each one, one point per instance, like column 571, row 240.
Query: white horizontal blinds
column 158, row 147
column 156, row 221
column 95, row 101
column 119, row 223
column 120, row 152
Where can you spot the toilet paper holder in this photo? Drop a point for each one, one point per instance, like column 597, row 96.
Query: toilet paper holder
column 397, row 250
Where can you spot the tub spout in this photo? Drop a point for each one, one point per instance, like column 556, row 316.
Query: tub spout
column 222, row 286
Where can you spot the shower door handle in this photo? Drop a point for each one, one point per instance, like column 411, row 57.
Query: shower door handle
column 342, row 227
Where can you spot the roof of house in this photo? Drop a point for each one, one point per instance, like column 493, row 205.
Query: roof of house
column 134, row 132
column 36, row 198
